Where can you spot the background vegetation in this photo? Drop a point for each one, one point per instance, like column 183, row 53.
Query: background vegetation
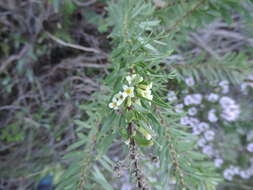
column 62, row 61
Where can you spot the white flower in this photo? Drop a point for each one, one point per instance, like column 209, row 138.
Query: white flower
column 209, row 135
column 119, row 98
column 150, row 85
column 250, row 147
column 129, row 91
column 130, row 78
column 211, row 116
column 147, row 93
column 192, row 111
column 212, row 97
column 189, row 81
column 218, row 162
column 114, row 105
column 148, row 136
column 171, row 96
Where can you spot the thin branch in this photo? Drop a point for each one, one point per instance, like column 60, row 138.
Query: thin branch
column 15, row 57
column 180, row 20
column 84, row 4
column 200, row 42
column 75, row 46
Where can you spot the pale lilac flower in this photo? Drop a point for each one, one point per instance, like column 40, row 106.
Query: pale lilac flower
column 231, row 113
column 209, row 135
column 171, row 96
column 188, row 100
column 226, row 101
column 203, row 126
column 192, row 99
column 212, row 97
column 189, row 81
column 185, row 120
column 218, row 162
column 192, row 111
column 245, row 174
column 250, row 147
column 193, row 122
column 197, row 98
column 201, row 142
column 224, row 86
column 212, row 116
column 228, row 174
column 196, row 130
column 179, row 108
column 208, row 150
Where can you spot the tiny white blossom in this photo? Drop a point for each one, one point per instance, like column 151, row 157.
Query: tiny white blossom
column 119, row 98
column 129, row 91
column 130, row 78
column 189, row 81
column 114, row 105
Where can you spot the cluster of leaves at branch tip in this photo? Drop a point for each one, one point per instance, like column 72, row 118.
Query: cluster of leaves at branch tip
column 135, row 91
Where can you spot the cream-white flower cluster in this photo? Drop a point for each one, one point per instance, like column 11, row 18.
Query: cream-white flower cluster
column 135, row 86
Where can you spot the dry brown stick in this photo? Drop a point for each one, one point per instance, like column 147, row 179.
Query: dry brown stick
column 140, row 178
column 84, row 4
column 6, row 63
column 75, row 46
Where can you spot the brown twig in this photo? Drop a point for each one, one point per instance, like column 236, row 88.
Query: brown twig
column 15, row 57
column 137, row 171
column 75, row 46
column 77, row 2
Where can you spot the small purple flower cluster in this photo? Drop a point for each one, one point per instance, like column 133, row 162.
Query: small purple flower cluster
column 206, row 115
